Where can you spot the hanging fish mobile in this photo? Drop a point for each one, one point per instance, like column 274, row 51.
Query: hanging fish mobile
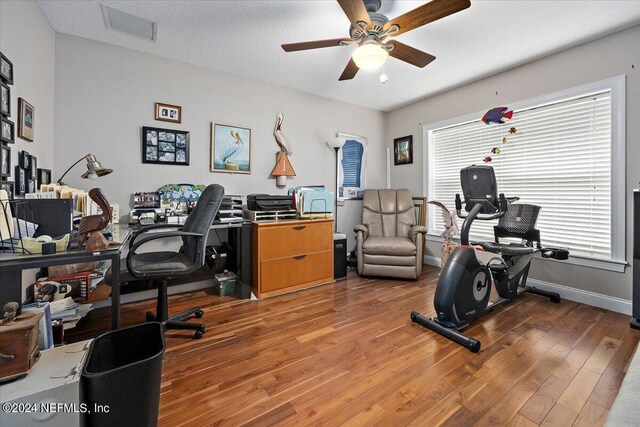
column 498, row 115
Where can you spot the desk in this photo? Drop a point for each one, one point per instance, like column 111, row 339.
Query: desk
column 12, row 265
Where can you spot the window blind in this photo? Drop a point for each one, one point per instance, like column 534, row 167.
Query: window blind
column 559, row 159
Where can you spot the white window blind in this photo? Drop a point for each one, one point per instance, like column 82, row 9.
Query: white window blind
column 559, row 159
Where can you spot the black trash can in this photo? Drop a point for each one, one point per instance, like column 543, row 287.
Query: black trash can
column 120, row 382
column 339, row 256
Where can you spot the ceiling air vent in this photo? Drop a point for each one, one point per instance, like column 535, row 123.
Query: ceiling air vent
column 126, row 23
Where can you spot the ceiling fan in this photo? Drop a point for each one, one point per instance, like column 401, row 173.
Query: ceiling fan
column 371, row 30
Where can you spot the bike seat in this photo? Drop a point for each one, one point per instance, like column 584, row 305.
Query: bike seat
column 506, row 248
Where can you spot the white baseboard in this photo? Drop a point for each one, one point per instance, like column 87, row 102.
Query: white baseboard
column 618, row 305
column 594, row 299
column 432, row 260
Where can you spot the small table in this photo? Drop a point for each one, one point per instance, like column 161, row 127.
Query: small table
column 12, row 265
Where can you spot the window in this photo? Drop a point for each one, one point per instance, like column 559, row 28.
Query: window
column 560, row 158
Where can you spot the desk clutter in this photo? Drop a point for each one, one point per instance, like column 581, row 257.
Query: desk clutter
column 43, row 222
column 66, row 296
column 172, row 203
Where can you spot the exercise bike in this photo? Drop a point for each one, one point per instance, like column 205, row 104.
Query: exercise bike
column 464, row 286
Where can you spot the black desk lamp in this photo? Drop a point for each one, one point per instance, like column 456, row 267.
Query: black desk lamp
column 336, row 144
column 94, row 169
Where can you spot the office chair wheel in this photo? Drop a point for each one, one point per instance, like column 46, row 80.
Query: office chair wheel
column 199, row 333
column 198, row 314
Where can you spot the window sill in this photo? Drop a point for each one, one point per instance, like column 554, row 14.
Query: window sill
column 600, row 264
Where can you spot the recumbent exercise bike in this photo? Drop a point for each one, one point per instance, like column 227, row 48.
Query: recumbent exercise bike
column 464, row 286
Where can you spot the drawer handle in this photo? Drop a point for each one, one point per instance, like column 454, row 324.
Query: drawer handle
column 7, row 357
column 299, row 256
column 299, row 227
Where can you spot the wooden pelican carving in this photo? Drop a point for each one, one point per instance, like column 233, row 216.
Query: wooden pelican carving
column 283, row 167
column 90, row 226
column 282, row 142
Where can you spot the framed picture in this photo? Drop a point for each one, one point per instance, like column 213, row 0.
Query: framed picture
column 168, row 113
column 44, row 177
column 33, row 167
column 26, row 114
column 5, row 100
column 403, row 150
column 21, row 182
column 7, row 131
column 5, row 161
column 230, row 148
column 165, row 146
column 6, row 69
column 352, row 164
column 24, row 160
column 9, row 187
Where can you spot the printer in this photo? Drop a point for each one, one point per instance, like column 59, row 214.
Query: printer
column 267, row 202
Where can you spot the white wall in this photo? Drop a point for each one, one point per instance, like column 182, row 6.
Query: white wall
column 105, row 94
column 27, row 40
column 610, row 56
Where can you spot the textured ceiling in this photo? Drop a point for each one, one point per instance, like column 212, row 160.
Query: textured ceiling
column 244, row 37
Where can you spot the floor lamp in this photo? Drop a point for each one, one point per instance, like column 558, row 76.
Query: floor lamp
column 336, row 144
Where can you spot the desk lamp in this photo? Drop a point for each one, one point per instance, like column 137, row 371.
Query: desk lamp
column 94, row 169
column 336, row 144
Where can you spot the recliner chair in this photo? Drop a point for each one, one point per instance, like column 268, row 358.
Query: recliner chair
column 389, row 243
column 164, row 265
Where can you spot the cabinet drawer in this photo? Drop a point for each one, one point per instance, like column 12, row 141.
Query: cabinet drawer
column 295, row 239
column 292, row 271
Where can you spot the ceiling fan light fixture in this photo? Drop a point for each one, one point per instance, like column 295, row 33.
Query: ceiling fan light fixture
column 370, row 56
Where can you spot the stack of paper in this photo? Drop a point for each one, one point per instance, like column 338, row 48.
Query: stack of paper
column 68, row 311
column 230, row 209
column 63, row 309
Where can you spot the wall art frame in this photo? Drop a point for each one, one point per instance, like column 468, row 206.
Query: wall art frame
column 165, row 146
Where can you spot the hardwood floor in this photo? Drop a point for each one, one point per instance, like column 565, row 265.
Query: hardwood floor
column 348, row 354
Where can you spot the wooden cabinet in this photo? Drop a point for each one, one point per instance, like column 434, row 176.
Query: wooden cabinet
column 291, row 255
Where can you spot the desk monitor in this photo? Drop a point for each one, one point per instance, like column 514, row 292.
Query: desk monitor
column 146, row 200
column 53, row 216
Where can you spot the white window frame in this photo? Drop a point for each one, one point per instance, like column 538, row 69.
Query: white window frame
column 617, row 86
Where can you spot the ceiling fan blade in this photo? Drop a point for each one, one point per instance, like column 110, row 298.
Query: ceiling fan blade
column 427, row 13
column 350, row 71
column 315, row 44
column 410, row 54
column 355, row 11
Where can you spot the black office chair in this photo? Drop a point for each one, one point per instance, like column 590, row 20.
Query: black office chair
column 165, row 265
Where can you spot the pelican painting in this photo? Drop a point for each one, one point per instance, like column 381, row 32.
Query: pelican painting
column 283, row 167
column 230, row 148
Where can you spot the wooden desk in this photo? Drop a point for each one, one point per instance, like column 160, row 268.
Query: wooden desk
column 291, row 255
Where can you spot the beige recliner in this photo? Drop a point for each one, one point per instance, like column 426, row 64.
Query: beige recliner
column 389, row 241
